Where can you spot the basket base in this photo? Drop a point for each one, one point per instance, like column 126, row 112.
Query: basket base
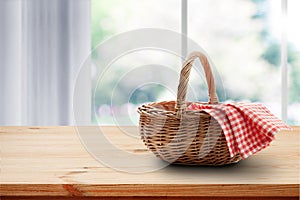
column 205, row 164
column 184, row 162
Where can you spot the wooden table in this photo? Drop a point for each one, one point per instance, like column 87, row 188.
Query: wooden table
column 40, row 162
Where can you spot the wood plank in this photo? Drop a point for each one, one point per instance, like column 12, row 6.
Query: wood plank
column 51, row 161
column 148, row 198
column 227, row 190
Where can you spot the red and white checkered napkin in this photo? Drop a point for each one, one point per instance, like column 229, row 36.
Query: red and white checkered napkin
column 248, row 128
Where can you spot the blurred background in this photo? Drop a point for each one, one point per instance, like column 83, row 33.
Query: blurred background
column 254, row 46
column 242, row 37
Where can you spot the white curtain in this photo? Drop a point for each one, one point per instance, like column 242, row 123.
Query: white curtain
column 42, row 46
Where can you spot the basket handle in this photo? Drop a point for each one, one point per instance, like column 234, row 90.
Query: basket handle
column 184, row 79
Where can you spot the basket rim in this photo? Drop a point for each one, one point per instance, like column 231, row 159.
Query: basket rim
column 149, row 108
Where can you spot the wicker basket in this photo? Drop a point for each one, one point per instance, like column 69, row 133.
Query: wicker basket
column 180, row 136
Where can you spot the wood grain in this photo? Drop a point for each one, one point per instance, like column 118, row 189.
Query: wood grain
column 51, row 161
column 146, row 198
column 226, row 190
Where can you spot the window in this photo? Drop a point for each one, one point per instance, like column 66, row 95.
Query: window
column 243, row 38
column 293, row 49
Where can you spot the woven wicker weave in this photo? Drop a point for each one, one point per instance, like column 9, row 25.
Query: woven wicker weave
column 181, row 136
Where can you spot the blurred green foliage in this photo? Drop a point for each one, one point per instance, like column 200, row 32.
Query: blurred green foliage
column 272, row 53
column 294, row 94
column 103, row 27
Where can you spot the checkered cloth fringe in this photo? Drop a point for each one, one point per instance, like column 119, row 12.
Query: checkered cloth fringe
column 248, row 127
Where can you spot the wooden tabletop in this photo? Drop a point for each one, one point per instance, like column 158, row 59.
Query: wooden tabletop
column 53, row 161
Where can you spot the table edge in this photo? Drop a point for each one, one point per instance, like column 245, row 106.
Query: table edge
column 199, row 190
